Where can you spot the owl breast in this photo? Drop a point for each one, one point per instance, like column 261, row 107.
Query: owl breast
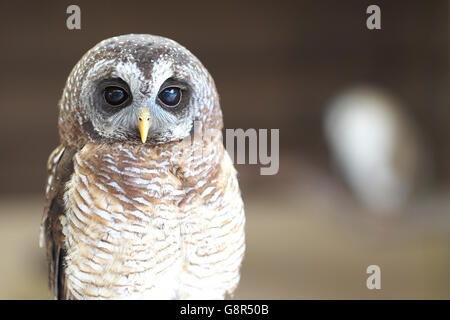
column 150, row 223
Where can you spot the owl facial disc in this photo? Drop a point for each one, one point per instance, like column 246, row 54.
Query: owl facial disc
column 124, row 76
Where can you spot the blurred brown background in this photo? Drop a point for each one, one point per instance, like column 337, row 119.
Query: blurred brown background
column 276, row 65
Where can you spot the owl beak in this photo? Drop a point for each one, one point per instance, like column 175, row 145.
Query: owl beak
column 144, row 124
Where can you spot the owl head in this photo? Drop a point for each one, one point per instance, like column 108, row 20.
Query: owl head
column 138, row 89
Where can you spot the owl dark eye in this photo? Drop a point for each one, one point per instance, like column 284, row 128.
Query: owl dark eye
column 170, row 96
column 115, row 96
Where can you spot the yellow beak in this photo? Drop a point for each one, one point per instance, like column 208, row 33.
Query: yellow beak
column 144, row 124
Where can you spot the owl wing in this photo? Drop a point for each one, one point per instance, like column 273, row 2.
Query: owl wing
column 60, row 169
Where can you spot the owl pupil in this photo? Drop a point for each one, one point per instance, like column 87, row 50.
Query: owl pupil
column 170, row 96
column 115, row 95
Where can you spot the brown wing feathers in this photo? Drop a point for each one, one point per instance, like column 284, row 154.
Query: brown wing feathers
column 60, row 166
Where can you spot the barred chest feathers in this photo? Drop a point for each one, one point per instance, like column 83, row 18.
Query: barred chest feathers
column 152, row 223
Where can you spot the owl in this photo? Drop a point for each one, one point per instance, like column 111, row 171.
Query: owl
column 377, row 147
column 142, row 199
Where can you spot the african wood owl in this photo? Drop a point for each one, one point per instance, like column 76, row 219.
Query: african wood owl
column 142, row 199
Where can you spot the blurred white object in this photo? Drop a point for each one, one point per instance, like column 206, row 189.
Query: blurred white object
column 376, row 147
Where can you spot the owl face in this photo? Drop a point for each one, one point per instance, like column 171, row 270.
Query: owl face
column 138, row 89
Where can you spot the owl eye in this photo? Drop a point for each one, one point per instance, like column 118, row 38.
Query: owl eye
column 115, row 95
column 170, row 96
